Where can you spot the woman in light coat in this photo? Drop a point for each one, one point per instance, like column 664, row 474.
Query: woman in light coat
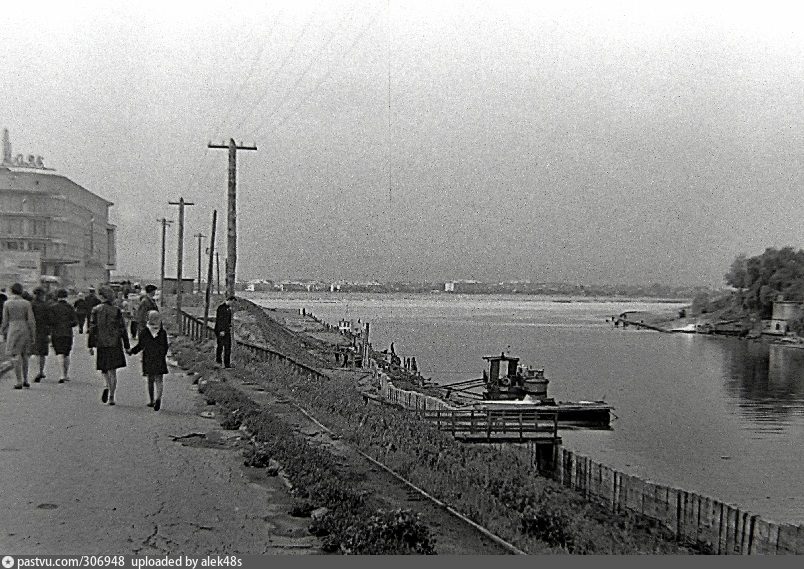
column 19, row 331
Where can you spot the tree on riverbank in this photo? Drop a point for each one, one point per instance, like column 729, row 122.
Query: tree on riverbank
column 761, row 279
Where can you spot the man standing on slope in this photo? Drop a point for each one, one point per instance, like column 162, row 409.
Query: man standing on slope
column 223, row 332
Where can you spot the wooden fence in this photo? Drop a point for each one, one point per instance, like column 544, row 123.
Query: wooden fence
column 695, row 519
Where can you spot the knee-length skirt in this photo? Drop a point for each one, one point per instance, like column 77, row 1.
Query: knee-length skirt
column 110, row 358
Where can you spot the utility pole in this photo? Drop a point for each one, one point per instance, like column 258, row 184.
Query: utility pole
column 180, row 253
column 212, row 253
column 200, row 237
column 231, row 230
column 165, row 223
column 218, row 272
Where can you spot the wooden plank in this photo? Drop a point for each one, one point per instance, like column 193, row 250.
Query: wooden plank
column 773, row 537
column 800, row 540
column 633, row 493
column 786, row 544
column 607, row 486
column 707, row 528
column 747, row 526
column 761, row 542
column 730, row 531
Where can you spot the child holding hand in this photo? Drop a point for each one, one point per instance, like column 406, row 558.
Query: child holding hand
column 152, row 342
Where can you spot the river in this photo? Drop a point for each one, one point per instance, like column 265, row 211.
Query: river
column 719, row 416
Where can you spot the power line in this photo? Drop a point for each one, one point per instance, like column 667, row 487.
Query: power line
column 325, row 77
column 251, row 69
column 281, row 66
column 302, row 75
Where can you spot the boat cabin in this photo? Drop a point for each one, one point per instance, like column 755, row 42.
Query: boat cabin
column 506, row 379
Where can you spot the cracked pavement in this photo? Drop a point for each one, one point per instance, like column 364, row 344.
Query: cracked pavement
column 84, row 478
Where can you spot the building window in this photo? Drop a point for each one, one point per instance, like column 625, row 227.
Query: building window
column 11, row 245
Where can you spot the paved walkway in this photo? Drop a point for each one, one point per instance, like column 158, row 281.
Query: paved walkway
column 81, row 477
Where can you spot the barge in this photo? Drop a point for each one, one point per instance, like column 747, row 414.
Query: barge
column 512, row 388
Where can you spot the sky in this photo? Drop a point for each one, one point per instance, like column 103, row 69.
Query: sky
column 589, row 142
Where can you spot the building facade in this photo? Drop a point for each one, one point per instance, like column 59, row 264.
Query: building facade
column 784, row 313
column 44, row 212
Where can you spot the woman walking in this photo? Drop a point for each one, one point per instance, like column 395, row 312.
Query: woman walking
column 153, row 343
column 107, row 333
column 19, row 331
column 81, row 311
column 62, row 322
column 41, row 312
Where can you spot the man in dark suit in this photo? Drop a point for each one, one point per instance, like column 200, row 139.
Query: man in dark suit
column 223, row 332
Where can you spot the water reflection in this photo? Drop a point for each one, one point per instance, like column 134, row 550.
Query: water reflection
column 765, row 382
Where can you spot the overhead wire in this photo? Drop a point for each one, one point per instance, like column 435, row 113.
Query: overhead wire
column 287, row 57
column 249, row 73
column 288, row 92
column 324, row 78
column 195, row 178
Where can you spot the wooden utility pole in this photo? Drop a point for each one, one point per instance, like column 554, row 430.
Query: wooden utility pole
column 200, row 236
column 165, row 223
column 180, row 254
column 212, row 253
column 218, row 271
column 231, row 230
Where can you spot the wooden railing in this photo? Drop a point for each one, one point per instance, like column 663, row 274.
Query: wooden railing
column 193, row 327
column 495, row 424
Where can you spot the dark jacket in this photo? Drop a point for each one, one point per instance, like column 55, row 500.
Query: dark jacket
column 107, row 327
column 82, row 306
column 92, row 302
column 154, row 350
column 62, row 319
column 146, row 305
column 223, row 318
column 41, row 312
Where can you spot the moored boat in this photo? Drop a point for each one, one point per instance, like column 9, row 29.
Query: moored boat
column 514, row 389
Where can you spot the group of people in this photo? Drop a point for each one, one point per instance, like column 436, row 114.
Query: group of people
column 30, row 324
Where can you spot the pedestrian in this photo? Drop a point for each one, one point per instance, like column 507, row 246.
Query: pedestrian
column 3, row 299
column 62, row 321
column 41, row 311
column 107, row 333
column 19, row 331
column 153, row 344
column 92, row 301
column 147, row 303
column 133, row 312
column 81, row 306
column 223, row 332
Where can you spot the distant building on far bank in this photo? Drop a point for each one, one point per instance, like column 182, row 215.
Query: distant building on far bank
column 48, row 214
column 465, row 286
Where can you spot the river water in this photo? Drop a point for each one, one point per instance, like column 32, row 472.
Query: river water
column 719, row 416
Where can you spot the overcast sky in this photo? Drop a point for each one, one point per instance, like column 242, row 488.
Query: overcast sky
column 588, row 142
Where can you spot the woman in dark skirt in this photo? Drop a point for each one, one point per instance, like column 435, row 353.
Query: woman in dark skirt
column 107, row 333
column 153, row 343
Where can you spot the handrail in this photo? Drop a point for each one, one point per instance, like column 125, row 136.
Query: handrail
column 192, row 326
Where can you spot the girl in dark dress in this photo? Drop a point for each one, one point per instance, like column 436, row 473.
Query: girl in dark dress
column 107, row 333
column 153, row 343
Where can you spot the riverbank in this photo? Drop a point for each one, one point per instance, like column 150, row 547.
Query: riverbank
column 497, row 488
